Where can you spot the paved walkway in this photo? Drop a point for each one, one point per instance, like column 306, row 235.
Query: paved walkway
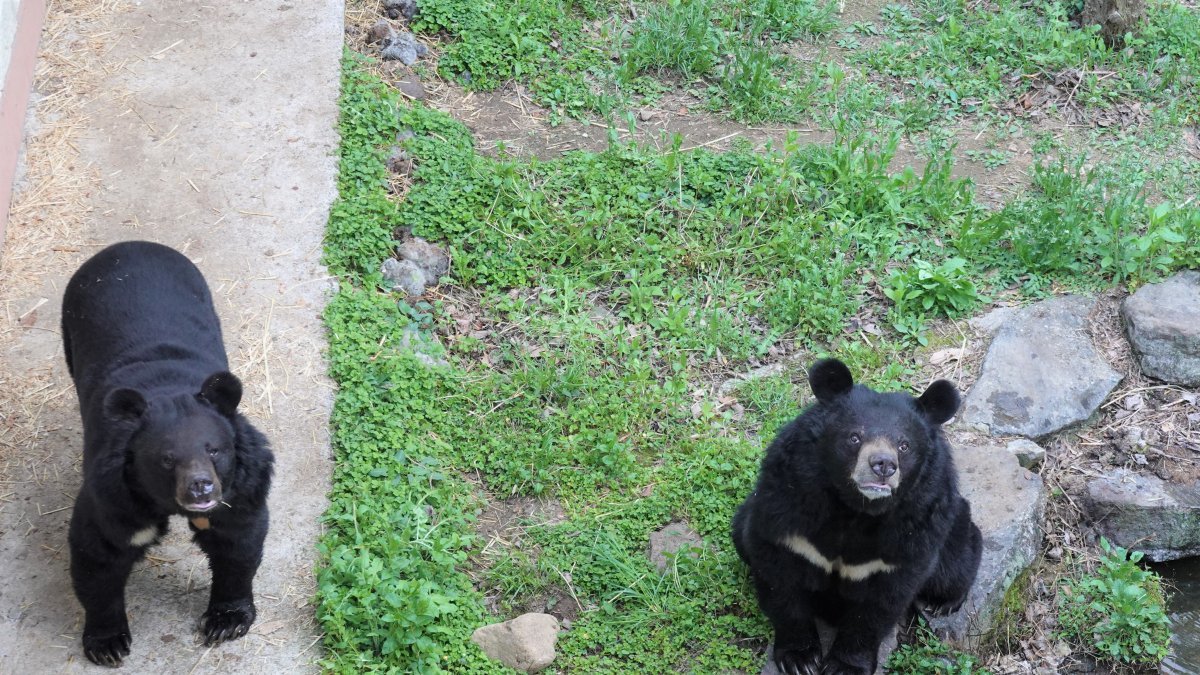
column 209, row 127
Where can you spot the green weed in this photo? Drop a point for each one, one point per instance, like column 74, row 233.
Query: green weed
column 1118, row 612
column 930, row 656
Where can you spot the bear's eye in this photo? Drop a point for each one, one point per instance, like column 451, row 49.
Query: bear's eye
column 213, row 450
column 855, row 439
column 167, row 461
column 903, row 446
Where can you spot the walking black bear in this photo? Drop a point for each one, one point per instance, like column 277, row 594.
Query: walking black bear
column 161, row 435
column 855, row 519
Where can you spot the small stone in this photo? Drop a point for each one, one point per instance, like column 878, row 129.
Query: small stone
column 412, row 89
column 380, row 32
column 431, row 260
column 671, row 540
column 402, row 47
column 646, row 115
column 404, row 275
column 525, row 643
column 1029, row 454
column 400, row 8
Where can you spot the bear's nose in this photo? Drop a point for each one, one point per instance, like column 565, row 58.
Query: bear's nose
column 883, row 465
column 200, row 487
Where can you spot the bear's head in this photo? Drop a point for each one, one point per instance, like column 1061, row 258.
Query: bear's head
column 874, row 446
column 183, row 452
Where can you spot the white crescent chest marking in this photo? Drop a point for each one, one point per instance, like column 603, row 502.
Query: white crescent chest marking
column 856, row 572
column 144, row 537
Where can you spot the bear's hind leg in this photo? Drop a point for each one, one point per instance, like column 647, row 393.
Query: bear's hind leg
column 233, row 556
column 946, row 588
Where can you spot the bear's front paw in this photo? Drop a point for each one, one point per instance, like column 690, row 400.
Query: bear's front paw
column 944, row 609
column 792, row 661
column 226, row 621
column 107, row 647
column 837, row 666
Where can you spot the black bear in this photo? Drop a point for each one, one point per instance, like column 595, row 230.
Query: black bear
column 162, row 435
column 856, row 519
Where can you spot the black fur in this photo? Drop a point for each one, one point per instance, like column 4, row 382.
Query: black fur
column 161, row 436
column 806, row 488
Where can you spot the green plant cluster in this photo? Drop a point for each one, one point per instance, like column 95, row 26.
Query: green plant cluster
column 1118, row 612
column 927, row 655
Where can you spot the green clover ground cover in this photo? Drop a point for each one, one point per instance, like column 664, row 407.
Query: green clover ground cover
column 623, row 284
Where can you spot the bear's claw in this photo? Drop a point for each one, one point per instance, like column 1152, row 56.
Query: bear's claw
column 219, row 625
column 107, row 650
column 798, row 661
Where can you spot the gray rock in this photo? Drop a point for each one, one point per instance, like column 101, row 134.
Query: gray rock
column 1163, row 324
column 732, row 383
column 1042, row 373
column 431, row 260
column 1028, row 454
column 991, row 322
column 400, row 8
column 412, row 88
column 402, row 47
column 404, row 275
column 1147, row 514
column 1007, row 502
column 525, row 643
column 670, row 540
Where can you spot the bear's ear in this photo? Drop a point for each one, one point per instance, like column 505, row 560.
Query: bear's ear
column 829, row 378
column 223, row 390
column 939, row 402
column 124, row 405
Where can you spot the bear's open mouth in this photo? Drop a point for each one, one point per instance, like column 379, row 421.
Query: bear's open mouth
column 875, row 490
column 201, row 507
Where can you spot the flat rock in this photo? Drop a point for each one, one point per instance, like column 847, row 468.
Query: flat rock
column 1042, row 373
column 525, row 643
column 1163, row 325
column 1146, row 513
column 670, row 540
column 1007, row 502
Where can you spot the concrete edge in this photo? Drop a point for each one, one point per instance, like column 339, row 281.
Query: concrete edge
column 18, row 84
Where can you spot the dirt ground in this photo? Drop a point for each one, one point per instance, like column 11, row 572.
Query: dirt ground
column 210, row 128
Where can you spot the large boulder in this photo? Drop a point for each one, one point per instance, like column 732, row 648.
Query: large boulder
column 1042, row 373
column 1007, row 502
column 1163, row 324
column 1146, row 513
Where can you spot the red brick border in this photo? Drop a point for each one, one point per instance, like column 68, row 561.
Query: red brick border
column 17, row 85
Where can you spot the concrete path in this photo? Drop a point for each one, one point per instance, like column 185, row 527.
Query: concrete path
column 209, row 127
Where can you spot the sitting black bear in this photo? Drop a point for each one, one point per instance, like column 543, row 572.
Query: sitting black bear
column 161, row 435
column 856, row 519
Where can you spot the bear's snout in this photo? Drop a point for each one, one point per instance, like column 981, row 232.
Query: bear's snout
column 883, row 465
column 197, row 486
